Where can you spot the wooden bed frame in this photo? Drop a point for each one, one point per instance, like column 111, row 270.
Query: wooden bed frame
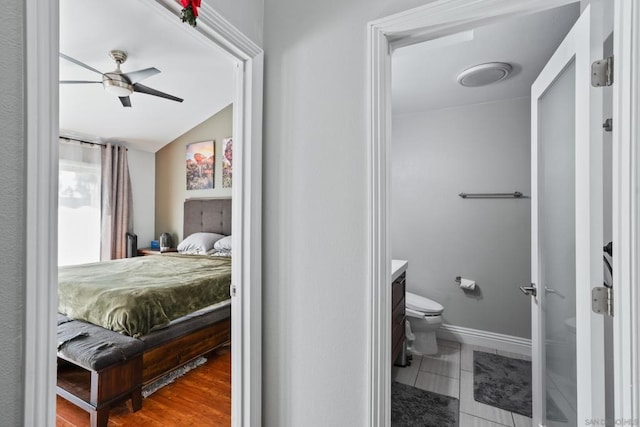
column 168, row 356
column 97, row 391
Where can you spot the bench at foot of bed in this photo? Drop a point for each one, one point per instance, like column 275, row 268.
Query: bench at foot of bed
column 98, row 368
column 97, row 391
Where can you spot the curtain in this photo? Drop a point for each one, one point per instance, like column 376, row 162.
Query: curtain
column 78, row 203
column 117, row 203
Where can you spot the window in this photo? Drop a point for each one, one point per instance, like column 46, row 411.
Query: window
column 79, row 192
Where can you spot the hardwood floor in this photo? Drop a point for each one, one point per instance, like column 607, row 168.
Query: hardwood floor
column 200, row 398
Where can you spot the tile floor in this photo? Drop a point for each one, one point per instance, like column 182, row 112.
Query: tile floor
column 450, row 372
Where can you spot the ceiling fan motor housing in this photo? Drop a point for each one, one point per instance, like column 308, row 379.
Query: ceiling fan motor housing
column 118, row 55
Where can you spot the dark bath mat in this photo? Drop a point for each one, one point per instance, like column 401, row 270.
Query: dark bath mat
column 413, row 407
column 505, row 383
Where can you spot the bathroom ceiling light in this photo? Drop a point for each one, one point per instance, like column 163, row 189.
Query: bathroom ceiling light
column 484, row 74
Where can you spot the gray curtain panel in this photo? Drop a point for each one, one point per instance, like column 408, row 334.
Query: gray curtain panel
column 117, row 203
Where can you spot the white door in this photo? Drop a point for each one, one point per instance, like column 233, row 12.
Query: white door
column 567, row 242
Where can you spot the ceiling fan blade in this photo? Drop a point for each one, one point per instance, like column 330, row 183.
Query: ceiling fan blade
column 126, row 101
column 75, row 61
column 139, row 75
column 144, row 89
column 76, row 82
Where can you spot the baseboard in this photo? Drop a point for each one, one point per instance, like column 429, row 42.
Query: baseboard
column 485, row 339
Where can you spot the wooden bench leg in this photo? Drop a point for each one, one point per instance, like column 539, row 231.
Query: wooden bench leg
column 100, row 417
column 136, row 399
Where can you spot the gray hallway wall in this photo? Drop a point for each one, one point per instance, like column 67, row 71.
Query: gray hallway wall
column 12, row 212
column 315, row 210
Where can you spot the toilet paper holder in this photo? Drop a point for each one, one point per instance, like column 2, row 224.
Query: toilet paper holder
column 466, row 284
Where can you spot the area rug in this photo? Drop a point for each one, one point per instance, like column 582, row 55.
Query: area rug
column 413, row 407
column 505, row 383
column 152, row 387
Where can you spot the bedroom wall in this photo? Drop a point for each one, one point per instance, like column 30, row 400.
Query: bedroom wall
column 438, row 154
column 171, row 190
column 12, row 212
column 142, row 170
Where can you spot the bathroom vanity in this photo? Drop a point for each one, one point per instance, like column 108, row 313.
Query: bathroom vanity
column 398, row 279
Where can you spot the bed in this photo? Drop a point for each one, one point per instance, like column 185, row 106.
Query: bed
column 98, row 367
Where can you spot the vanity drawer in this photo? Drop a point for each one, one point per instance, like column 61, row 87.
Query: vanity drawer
column 397, row 329
column 397, row 315
column 398, row 319
column 396, row 349
column 397, row 290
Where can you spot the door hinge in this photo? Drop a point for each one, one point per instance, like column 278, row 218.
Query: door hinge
column 602, row 300
column 608, row 125
column 602, row 72
column 232, row 290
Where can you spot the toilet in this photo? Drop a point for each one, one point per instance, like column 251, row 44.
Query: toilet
column 425, row 317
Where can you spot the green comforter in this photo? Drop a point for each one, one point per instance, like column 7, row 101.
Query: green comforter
column 135, row 296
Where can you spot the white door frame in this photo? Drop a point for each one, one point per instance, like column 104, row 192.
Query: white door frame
column 626, row 209
column 444, row 17
column 42, row 129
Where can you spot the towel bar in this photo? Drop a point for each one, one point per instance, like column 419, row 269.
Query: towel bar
column 515, row 195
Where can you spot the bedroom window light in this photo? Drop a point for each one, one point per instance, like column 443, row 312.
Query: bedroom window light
column 79, row 188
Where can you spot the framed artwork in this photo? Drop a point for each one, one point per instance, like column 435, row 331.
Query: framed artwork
column 200, row 165
column 227, row 162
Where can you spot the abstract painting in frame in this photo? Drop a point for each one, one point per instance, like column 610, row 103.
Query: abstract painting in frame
column 200, row 165
column 227, row 162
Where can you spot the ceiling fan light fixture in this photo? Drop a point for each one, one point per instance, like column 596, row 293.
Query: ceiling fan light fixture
column 484, row 74
column 116, row 86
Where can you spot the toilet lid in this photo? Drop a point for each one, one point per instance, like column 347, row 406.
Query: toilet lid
column 422, row 304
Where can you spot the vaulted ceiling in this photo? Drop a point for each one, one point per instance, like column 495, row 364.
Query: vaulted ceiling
column 191, row 66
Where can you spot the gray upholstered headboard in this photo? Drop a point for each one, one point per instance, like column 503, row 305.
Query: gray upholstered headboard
column 209, row 215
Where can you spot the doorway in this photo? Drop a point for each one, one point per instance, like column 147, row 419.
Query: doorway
column 42, row 128
column 461, row 201
column 426, row 23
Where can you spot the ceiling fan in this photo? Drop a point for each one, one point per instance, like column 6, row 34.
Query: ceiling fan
column 121, row 84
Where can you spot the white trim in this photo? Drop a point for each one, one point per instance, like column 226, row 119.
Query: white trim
column 379, row 255
column 42, row 128
column 538, row 325
column 488, row 339
column 626, row 218
column 41, row 110
column 444, row 17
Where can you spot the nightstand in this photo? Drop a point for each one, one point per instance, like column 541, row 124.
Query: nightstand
column 149, row 251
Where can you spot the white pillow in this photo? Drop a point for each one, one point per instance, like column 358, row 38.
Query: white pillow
column 198, row 243
column 223, row 245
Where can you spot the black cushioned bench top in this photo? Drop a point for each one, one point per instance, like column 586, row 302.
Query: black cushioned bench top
column 93, row 347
